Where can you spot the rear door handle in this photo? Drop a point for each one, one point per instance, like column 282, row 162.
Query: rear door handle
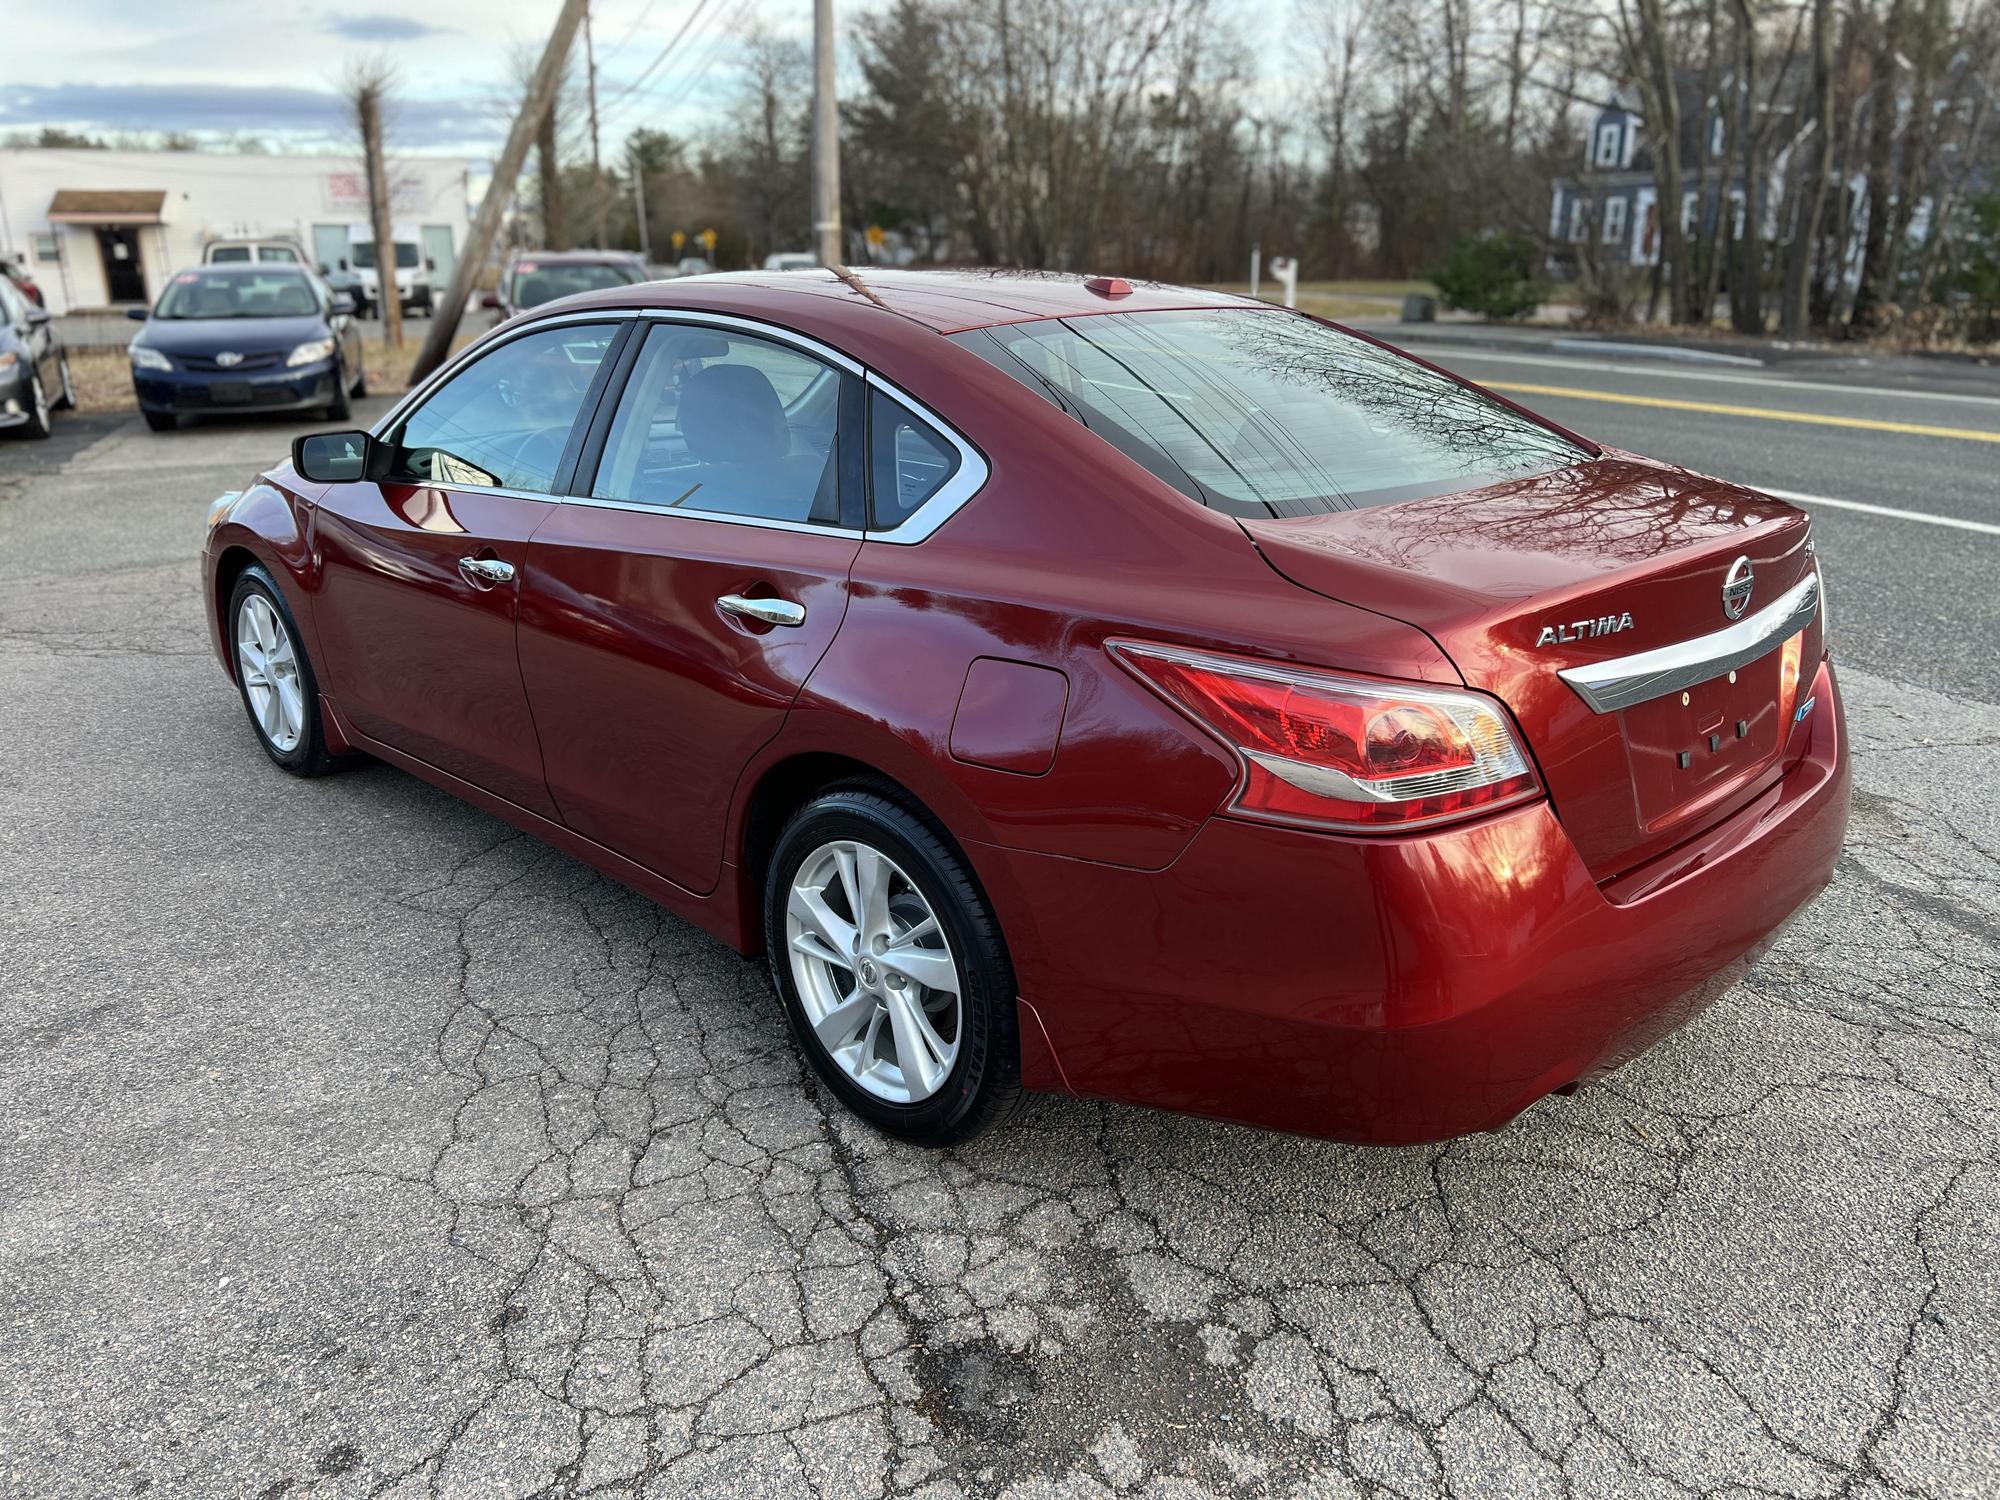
column 768, row 611
column 486, row 571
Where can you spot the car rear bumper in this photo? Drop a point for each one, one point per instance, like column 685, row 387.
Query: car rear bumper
column 1395, row 990
column 186, row 391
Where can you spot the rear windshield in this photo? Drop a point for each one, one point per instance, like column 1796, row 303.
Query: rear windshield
column 541, row 282
column 1261, row 414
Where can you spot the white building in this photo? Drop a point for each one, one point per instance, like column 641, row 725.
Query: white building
column 107, row 228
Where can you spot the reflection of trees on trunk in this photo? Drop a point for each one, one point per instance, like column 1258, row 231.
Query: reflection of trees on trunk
column 1615, row 510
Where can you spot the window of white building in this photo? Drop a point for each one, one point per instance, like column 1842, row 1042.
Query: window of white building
column 1614, row 220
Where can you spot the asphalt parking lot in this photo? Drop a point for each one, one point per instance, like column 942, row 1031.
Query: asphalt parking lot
column 357, row 1145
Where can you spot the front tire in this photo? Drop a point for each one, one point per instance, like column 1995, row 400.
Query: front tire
column 337, row 410
column 66, row 398
column 892, row 969
column 161, row 421
column 274, row 676
column 40, row 423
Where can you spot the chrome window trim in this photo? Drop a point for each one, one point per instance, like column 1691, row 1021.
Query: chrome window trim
column 1608, row 686
column 968, row 480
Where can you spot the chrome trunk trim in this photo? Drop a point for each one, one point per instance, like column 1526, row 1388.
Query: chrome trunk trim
column 1608, row 686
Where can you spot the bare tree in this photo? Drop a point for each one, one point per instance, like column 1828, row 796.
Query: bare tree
column 368, row 85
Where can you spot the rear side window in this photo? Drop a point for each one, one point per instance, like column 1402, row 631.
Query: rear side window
column 1262, row 414
column 909, row 461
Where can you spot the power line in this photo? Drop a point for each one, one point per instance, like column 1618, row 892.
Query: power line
column 664, row 53
column 699, row 73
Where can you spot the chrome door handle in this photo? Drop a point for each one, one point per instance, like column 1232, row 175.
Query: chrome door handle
column 484, row 570
column 769, row 611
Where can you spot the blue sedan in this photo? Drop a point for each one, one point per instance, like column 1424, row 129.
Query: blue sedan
column 246, row 338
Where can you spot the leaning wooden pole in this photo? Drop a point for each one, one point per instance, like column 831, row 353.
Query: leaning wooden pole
column 499, row 192
column 368, row 104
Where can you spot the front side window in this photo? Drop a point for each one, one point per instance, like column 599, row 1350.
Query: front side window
column 504, row 420
column 1264, row 414
column 725, row 422
column 238, row 294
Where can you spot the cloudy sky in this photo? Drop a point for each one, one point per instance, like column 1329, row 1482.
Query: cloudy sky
column 271, row 69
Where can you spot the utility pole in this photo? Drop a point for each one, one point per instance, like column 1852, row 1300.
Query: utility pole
column 825, row 142
column 639, row 203
column 555, row 229
column 596, row 161
column 499, row 191
column 368, row 92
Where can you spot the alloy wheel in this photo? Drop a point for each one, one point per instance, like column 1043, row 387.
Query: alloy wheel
column 874, row 971
column 68, row 385
column 40, row 399
column 269, row 664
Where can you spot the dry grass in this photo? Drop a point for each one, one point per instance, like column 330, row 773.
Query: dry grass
column 103, row 377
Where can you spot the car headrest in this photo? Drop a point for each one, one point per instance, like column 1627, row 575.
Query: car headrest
column 730, row 414
column 294, row 301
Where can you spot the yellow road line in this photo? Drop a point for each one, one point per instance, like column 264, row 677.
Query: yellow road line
column 1762, row 413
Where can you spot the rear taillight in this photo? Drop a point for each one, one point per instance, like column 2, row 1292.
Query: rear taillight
column 1342, row 752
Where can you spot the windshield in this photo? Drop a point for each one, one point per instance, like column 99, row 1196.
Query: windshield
column 1261, row 414
column 257, row 294
column 536, row 282
column 362, row 253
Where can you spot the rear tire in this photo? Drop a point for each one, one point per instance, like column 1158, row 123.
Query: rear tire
column 869, row 989
column 274, row 676
column 160, row 421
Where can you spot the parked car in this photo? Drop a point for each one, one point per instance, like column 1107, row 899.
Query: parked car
column 412, row 274
column 34, row 366
column 13, row 271
column 692, row 265
column 531, row 277
column 246, row 337
column 1139, row 692
column 791, row 260
column 276, row 250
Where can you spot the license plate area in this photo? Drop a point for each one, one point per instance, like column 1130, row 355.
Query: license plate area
column 231, row 392
column 1686, row 746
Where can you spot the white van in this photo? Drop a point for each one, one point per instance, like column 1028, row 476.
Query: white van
column 413, row 278
column 281, row 250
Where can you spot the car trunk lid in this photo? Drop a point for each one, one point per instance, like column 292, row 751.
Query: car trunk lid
column 1587, row 564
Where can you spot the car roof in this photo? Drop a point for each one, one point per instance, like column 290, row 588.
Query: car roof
column 945, row 301
column 243, row 268
column 576, row 257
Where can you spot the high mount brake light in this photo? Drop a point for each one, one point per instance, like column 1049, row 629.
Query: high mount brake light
column 1340, row 752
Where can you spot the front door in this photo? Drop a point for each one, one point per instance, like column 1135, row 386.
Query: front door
column 421, row 572
column 672, row 610
column 124, row 276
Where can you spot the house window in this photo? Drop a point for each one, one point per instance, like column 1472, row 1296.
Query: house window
column 1614, row 220
column 1607, row 146
column 1715, row 137
column 1690, row 211
column 48, row 249
column 1576, row 221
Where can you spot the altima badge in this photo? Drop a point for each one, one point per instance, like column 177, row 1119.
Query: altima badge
column 1584, row 630
column 1736, row 587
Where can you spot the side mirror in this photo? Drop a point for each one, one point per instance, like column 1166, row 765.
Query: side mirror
column 37, row 315
column 429, row 264
column 323, row 270
column 343, row 263
column 332, row 457
column 342, row 303
column 491, row 299
column 136, row 314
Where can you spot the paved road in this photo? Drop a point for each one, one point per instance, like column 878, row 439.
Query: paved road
column 355, row 1145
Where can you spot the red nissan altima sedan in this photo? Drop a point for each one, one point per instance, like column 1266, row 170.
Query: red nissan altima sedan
column 1130, row 691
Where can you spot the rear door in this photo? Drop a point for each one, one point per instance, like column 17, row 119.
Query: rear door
column 421, row 572
column 675, row 605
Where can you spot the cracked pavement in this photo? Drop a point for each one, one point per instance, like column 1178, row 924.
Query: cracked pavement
column 357, row 1145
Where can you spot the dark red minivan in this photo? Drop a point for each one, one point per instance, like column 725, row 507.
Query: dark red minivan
column 1125, row 690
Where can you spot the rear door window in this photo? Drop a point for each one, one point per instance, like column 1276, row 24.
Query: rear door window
column 718, row 421
column 1264, row 414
